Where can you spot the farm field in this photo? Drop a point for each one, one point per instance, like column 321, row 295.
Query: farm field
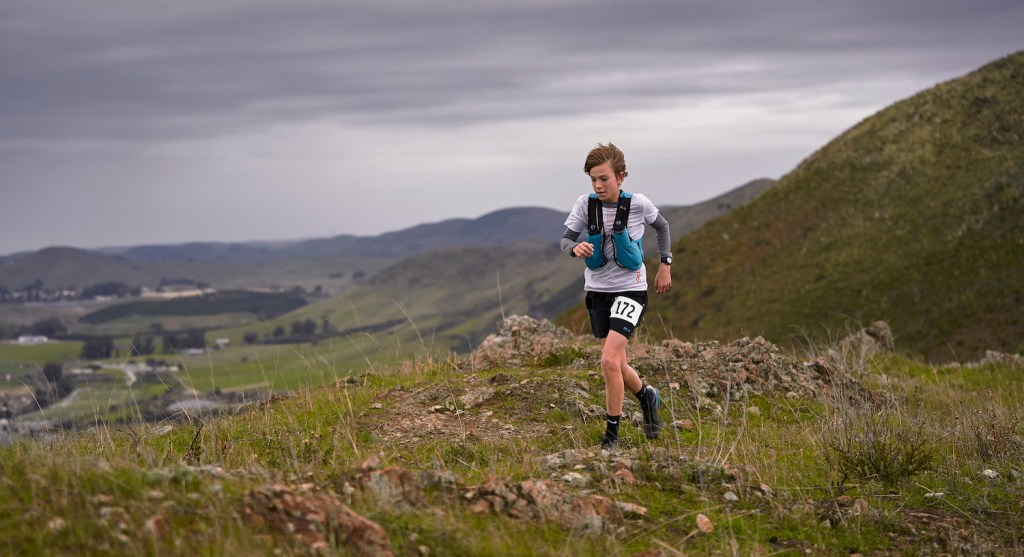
column 18, row 356
column 255, row 369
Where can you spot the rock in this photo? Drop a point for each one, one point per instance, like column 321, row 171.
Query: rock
column 393, row 487
column 545, row 500
column 990, row 474
column 731, row 497
column 588, row 410
column 631, row 509
column 861, row 507
column 625, row 476
column 315, row 519
column 372, row 462
column 704, row 524
column 686, row 424
column 732, row 472
column 557, row 460
column 622, row 464
column 999, row 358
column 678, row 348
column 576, row 479
column 443, row 480
column 476, row 397
column 522, row 340
column 872, row 339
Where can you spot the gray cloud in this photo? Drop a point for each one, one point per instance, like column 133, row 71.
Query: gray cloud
column 118, row 85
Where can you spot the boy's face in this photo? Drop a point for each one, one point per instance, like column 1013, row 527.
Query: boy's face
column 605, row 183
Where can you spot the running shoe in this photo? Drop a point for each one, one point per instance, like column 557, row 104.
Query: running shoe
column 649, row 405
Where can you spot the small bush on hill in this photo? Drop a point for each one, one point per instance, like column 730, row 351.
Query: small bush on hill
column 988, row 434
column 884, row 444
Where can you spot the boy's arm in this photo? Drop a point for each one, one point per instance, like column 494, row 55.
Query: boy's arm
column 663, row 282
column 569, row 239
column 660, row 226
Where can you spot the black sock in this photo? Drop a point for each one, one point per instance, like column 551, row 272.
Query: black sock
column 612, row 427
column 642, row 393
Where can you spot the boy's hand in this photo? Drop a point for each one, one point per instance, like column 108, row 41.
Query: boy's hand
column 663, row 281
column 583, row 249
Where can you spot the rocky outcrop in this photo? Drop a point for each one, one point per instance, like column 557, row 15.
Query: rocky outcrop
column 314, row 519
column 711, row 370
column 547, row 500
column 522, row 341
column 999, row 358
column 402, row 490
column 872, row 339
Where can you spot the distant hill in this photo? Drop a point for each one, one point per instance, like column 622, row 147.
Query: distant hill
column 195, row 251
column 499, row 228
column 914, row 216
column 685, row 219
column 330, row 262
column 70, row 267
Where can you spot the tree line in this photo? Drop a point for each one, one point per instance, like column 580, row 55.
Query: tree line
column 103, row 347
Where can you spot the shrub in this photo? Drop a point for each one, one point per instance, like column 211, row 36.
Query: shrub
column 989, row 435
column 882, row 443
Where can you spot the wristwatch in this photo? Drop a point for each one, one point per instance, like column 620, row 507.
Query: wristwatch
column 667, row 260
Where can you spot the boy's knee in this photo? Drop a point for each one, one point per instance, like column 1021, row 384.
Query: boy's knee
column 611, row 364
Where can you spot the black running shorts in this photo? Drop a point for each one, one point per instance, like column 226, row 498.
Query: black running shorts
column 616, row 311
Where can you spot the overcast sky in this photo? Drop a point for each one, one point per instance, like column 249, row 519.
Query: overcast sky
column 124, row 123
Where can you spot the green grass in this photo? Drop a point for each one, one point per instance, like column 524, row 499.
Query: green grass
column 141, row 324
column 40, row 353
column 154, row 475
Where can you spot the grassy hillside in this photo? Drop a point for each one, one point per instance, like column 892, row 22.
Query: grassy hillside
column 686, row 219
column 441, row 460
column 70, row 267
column 914, row 216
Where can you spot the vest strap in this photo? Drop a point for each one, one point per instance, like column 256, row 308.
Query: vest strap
column 626, row 252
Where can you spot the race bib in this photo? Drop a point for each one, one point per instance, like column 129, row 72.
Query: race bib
column 627, row 309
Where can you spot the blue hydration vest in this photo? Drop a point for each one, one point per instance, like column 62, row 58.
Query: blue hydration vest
column 627, row 253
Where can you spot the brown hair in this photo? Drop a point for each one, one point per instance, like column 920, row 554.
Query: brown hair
column 606, row 153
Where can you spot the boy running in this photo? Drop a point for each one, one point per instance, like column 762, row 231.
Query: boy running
column 615, row 278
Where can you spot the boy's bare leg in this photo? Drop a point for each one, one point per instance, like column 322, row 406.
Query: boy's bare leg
column 618, row 374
